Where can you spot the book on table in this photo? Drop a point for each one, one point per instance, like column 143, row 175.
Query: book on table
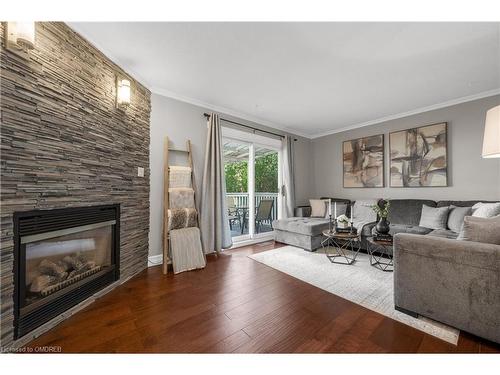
column 346, row 230
column 383, row 237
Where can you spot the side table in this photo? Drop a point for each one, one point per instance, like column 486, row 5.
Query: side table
column 346, row 247
column 381, row 254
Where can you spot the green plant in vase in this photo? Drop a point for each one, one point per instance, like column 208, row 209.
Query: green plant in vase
column 383, row 225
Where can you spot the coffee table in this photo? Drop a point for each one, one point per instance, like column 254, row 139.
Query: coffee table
column 346, row 247
column 381, row 254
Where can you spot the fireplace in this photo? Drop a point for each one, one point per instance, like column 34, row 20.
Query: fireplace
column 62, row 257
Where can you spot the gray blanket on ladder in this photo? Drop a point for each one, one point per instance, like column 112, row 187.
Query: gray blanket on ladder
column 186, row 249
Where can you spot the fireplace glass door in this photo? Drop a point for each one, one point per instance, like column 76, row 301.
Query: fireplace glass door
column 60, row 260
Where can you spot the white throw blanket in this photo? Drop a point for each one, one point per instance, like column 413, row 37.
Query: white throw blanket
column 179, row 177
column 363, row 213
column 186, row 249
column 181, row 198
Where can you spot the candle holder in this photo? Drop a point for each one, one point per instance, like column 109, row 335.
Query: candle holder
column 332, row 225
column 351, row 227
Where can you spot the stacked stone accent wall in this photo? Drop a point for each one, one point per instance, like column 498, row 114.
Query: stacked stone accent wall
column 65, row 144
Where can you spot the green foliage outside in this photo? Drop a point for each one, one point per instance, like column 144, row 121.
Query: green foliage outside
column 266, row 175
column 236, row 177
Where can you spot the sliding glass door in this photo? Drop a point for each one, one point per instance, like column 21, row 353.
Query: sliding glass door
column 252, row 171
column 266, row 182
column 236, row 169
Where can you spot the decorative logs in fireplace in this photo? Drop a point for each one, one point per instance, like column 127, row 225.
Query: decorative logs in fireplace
column 52, row 276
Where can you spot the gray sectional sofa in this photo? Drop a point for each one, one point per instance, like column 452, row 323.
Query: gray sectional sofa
column 302, row 230
column 404, row 215
column 451, row 281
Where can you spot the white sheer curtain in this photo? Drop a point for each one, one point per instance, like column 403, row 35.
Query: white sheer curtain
column 288, row 187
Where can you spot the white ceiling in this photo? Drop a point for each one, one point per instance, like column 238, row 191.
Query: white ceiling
column 308, row 78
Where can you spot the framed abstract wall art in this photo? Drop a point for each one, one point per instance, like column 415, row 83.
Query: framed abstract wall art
column 363, row 161
column 419, row 157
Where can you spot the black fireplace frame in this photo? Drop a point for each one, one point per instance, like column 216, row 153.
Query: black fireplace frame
column 43, row 221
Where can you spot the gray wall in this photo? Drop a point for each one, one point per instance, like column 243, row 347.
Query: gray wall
column 470, row 176
column 180, row 121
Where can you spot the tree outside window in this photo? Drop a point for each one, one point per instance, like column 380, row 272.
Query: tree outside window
column 266, row 175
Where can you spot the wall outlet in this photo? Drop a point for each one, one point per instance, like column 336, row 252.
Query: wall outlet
column 140, row 171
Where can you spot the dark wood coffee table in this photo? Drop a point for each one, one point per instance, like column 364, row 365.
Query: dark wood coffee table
column 381, row 253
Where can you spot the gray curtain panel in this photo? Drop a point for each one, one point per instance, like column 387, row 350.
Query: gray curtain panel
column 288, row 188
column 214, row 223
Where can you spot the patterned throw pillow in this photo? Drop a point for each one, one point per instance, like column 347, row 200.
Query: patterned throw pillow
column 434, row 217
column 486, row 209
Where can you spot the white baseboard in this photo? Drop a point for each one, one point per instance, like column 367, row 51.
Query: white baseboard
column 263, row 238
column 155, row 260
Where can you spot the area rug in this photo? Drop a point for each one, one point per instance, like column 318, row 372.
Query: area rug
column 359, row 283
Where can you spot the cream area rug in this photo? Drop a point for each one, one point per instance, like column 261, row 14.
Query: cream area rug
column 359, row 283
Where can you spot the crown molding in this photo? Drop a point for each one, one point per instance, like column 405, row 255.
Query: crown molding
column 227, row 111
column 448, row 103
column 257, row 120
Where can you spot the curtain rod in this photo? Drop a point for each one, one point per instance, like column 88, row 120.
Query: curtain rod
column 207, row 115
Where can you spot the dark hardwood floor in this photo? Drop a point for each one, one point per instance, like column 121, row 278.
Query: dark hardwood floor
column 237, row 305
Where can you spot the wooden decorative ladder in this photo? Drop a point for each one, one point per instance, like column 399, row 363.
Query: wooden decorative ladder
column 166, row 179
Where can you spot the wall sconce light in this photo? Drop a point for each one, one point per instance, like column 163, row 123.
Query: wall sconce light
column 122, row 93
column 20, row 37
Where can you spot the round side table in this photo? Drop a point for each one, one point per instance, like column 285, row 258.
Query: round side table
column 381, row 254
column 346, row 247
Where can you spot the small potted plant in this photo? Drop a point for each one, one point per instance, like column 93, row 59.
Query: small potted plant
column 382, row 226
column 342, row 221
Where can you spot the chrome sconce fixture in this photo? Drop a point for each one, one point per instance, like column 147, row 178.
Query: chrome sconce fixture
column 20, row 37
column 122, row 93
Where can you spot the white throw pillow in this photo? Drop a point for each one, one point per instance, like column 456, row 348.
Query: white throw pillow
column 486, row 209
column 318, row 207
